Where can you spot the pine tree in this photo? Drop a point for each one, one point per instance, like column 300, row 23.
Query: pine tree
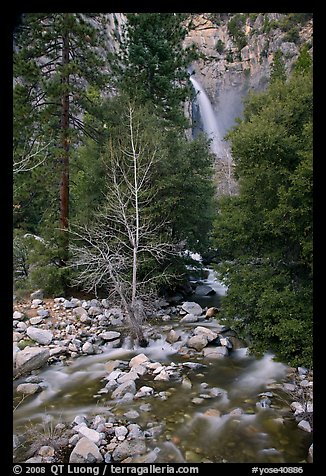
column 57, row 57
column 154, row 63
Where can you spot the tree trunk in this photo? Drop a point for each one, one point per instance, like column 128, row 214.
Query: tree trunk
column 64, row 183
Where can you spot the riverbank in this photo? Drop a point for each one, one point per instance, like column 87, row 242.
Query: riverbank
column 195, row 378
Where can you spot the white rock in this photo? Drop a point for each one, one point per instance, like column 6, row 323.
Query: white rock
column 39, row 294
column 92, row 435
column 189, row 318
column 37, row 302
column 197, row 342
column 88, row 348
column 28, row 388
column 39, row 335
column 304, row 425
column 192, row 308
column 144, row 392
column 85, row 452
column 163, row 375
column 215, row 352
column 138, row 359
column 120, row 432
column 35, row 320
column 110, row 335
column 208, row 333
column 31, row 358
column 22, row 326
column 18, row 316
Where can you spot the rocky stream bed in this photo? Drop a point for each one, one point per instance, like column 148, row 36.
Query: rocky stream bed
column 84, row 392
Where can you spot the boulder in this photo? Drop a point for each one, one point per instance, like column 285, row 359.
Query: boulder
column 129, row 448
column 204, row 290
column 163, row 375
column 215, row 352
column 18, row 316
column 85, row 452
column 197, row 342
column 29, row 388
column 110, row 335
column 192, row 308
column 22, row 326
column 225, row 342
column 94, row 311
column 35, row 320
column 204, row 331
column 144, row 392
column 189, row 318
column 123, row 389
column 138, row 360
column 39, row 294
column 120, row 432
column 88, row 348
column 172, row 337
column 37, row 302
column 211, row 312
column 39, row 335
column 305, row 425
column 43, row 313
column 80, row 311
column 90, row 434
column 31, row 358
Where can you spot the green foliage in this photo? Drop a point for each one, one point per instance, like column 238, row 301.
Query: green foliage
column 292, row 35
column 25, row 342
column 229, row 57
column 304, row 61
column 269, row 25
column 37, row 263
column 154, row 63
column 292, row 20
column 235, row 29
column 220, row 46
column 265, row 233
column 41, row 82
column 278, row 68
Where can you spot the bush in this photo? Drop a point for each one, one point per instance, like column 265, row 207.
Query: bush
column 292, row 35
column 36, row 265
column 220, row 46
column 235, row 29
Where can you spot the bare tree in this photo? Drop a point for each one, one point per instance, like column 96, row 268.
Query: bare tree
column 111, row 251
column 33, row 155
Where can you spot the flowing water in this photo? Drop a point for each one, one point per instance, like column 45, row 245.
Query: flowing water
column 231, row 427
column 210, row 122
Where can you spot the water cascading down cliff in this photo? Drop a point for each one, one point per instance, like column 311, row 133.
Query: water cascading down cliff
column 210, row 124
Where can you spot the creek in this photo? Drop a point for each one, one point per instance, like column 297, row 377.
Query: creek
column 235, row 427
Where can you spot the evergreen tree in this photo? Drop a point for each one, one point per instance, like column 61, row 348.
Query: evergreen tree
column 154, row 63
column 278, row 68
column 56, row 59
column 265, row 233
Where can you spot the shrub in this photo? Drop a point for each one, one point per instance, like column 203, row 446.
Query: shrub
column 220, row 46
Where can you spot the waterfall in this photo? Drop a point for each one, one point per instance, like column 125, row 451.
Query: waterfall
column 218, row 147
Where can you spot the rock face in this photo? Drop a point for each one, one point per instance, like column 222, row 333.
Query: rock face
column 85, row 452
column 227, row 71
column 31, row 358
